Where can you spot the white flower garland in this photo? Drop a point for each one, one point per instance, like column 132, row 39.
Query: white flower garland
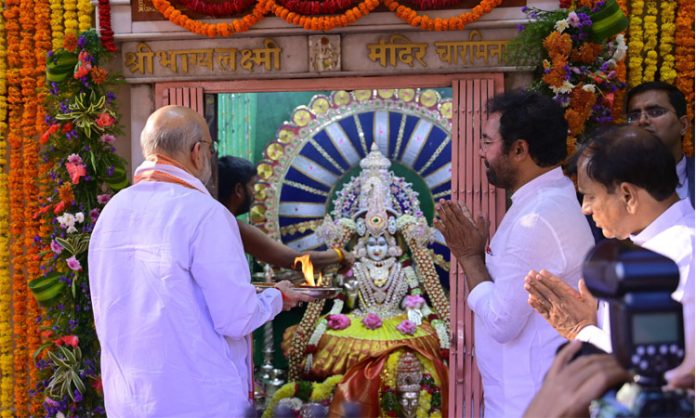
column 321, row 329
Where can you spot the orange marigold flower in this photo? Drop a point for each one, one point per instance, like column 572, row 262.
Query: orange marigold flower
column 70, row 42
column 586, row 53
column 98, row 75
column 558, row 44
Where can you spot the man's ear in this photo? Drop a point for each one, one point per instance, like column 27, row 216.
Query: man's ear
column 196, row 156
column 519, row 149
column 684, row 122
column 239, row 190
column 628, row 193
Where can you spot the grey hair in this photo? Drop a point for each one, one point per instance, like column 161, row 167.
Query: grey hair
column 174, row 138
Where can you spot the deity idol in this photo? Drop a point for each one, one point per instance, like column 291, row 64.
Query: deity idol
column 388, row 335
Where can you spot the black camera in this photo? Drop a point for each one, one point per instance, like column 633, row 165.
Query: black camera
column 647, row 327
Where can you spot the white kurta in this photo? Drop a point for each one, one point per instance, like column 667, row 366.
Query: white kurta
column 169, row 281
column 543, row 229
column 672, row 235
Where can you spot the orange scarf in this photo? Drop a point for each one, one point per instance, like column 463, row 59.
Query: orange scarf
column 153, row 174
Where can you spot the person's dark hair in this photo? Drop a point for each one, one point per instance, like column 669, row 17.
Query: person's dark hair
column 535, row 118
column 233, row 171
column 633, row 155
column 676, row 97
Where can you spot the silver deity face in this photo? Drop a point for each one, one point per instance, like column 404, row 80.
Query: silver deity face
column 409, row 404
column 377, row 248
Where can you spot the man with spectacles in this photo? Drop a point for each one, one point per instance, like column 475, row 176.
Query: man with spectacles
column 523, row 143
column 660, row 108
column 170, row 286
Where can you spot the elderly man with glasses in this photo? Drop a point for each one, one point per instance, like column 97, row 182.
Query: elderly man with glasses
column 660, row 108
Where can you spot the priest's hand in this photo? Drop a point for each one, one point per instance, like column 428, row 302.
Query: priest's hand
column 291, row 297
column 465, row 237
column 567, row 310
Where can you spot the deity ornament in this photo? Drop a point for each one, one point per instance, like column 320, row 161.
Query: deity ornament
column 394, row 304
column 409, row 373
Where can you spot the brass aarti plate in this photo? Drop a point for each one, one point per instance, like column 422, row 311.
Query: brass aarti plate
column 315, row 292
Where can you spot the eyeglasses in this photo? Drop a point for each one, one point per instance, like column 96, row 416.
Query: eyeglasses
column 652, row 113
column 213, row 145
column 484, row 144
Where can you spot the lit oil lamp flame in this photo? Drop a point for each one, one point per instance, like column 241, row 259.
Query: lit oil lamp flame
column 308, row 270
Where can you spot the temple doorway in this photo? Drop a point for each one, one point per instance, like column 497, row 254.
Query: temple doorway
column 307, row 137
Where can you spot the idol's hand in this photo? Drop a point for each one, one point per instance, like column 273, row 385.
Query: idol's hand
column 291, row 297
column 564, row 308
column 465, row 237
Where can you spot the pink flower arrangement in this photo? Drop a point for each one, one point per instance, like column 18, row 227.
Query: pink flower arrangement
column 103, row 199
column 338, row 321
column 414, row 301
column 108, row 139
column 83, row 66
column 71, row 340
column 76, row 171
column 74, row 264
column 407, row 327
column 55, row 247
column 372, row 321
column 104, row 120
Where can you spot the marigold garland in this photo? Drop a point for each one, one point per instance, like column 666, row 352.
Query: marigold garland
column 617, row 111
column 57, row 29
column 6, row 353
column 84, row 15
column 70, row 16
column 316, row 7
column 635, row 44
column 16, row 189
column 410, row 16
column 212, row 29
column 30, row 191
column 105, row 32
column 667, row 28
column 684, row 62
column 650, row 40
column 225, row 8
column 324, row 23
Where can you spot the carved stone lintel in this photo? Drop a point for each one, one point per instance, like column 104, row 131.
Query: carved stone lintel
column 325, row 53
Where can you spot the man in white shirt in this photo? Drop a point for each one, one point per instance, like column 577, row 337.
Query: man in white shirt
column 523, row 143
column 169, row 282
column 660, row 108
column 627, row 179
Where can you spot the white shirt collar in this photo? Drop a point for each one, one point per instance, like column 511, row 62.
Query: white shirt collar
column 530, row 188
column 664, row 221
column 681, row 171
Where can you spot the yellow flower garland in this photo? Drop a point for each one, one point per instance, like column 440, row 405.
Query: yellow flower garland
column 667, row 18
column 650, row 40
column 84, row 14
column 684, row 57
column 57, row 33
column 70, row 16
column 6, row 357
column 635, row 44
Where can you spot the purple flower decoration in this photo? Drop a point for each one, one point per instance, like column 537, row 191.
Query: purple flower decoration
column 372, row 321
column 55, row 247
column 338, row 321
column 94, row 214
column 414, row 301
column 74, row 264
column 407, row 327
